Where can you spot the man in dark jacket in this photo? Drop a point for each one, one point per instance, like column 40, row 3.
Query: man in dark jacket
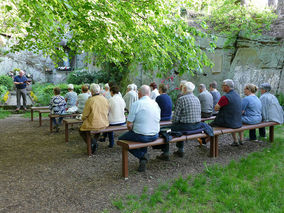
column 230, row 109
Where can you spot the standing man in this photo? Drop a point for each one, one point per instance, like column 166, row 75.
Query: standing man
column 143, row 123
column 216, row 95
column 206, row 101
column 230, row 109
column 21, row 83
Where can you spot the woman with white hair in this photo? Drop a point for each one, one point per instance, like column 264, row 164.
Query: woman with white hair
column 95, row 115
column 130, row 97
column 71, row 96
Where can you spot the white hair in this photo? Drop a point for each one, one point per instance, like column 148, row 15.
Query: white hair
column 229, row 83
column 189, row 87
column 95, row 88
column 106, row 85
column 182, row 82
column 202, row 86
column 145, row 90
column 134, row 87
column 70, row 86
column 130, row 86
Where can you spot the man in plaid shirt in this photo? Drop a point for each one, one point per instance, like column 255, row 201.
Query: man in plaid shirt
column 186, row 117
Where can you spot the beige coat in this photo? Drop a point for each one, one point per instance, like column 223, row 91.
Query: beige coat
column 95, row 114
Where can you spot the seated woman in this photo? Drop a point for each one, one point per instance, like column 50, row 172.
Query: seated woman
column 165, row 103
column 251, row 110
column 155, row 93
column 116, row 113
column 82, row 98
column 57, row 106
column 71, row 96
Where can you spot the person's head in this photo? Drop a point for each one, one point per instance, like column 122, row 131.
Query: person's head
column 162, row 88
column 106, row 87
column 21, row 73
column 202, row 87
column 114, row 90
column 188, row 87
column 250, row 89
column 56, row 91
column 95, row 89
column 84, row 88
column 70, row 87
column 153, row 86
column 130, row 87
column 227, row 85
column 265, row 87
column 88, row 85
column 182, row 82
column 213, row 85
column 144, row 91
column 134, row 87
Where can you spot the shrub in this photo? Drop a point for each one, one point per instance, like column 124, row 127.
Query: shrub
column 7, row 82
column 81, row 77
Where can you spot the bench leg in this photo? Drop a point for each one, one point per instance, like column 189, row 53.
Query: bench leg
column 39, row 117
column 32, row 115
column 66, row 132
column 89, row 148
column 125, row 163
column 212, row 146
column 50, row 124
column 271, row 134
column 216, row 146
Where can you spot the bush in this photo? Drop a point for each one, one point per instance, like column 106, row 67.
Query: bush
column 81, row 77
column 6, row 81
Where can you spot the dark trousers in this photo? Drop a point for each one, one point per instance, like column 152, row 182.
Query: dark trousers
column 252, row 133
column 132, row 136
column 21, row 93
column 111, row 134
column 83, row 134
column 59, row 120
column 206, row 114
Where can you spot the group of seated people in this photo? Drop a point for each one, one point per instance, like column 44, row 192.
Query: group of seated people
column 151, row 104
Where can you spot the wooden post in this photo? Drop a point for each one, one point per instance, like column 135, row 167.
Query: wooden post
column 212, row 146
column 32, row 114
column 39, row 117
column 89, row 148
column 271, row 134
column 216, row 146
column 124, row 163
column 50, row 123
column 66, row 132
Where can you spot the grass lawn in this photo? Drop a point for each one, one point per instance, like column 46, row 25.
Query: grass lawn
column 4, row 113
column 28, row 115
column 254, row 184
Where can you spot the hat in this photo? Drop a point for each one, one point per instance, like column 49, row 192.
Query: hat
column 265, row 86
column 70, row 86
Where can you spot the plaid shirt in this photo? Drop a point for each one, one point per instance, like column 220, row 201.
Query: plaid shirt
column 187, row 110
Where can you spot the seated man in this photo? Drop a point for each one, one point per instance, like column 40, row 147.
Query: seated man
column 271, row 109
column 216, row 95
column 206, row 101
column 186, row 117
column 95, row 115
column 165, row 103
column 143, row 123
column 130, row 97
column 230, row 109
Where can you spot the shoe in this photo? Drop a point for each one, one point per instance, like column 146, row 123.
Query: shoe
column 241, row 142
column 179, row 154
column 235, row 143
column 57, row 128
column 17, row 110
column 25, row 109
column 248, row 139
column 164, row 157
column 199, row 141
column 94, row 146
column 142, row 165
column 110, row 145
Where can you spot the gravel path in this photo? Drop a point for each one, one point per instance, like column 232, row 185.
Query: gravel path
column 40, row 173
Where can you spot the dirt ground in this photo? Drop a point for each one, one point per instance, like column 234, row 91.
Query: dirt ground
column 39, row 172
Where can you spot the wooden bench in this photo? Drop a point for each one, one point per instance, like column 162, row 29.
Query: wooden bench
column 36, row 109
column 68, row 122
column 40, row 112
column 128, row 145
column 57, row 116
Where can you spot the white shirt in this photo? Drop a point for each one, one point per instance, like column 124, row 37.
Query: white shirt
column 154, row 94
column 145, row 115
column 116, row 113
column 129, row 98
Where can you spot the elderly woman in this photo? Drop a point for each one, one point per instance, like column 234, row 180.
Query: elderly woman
column 271, row 109
column 82, row 98
column 57, row 106
column 130, row 97
column 95, row 115
column 155, row 93
column 71, row 96
column 116, row 113
column 165, row 103
column 251, row 110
